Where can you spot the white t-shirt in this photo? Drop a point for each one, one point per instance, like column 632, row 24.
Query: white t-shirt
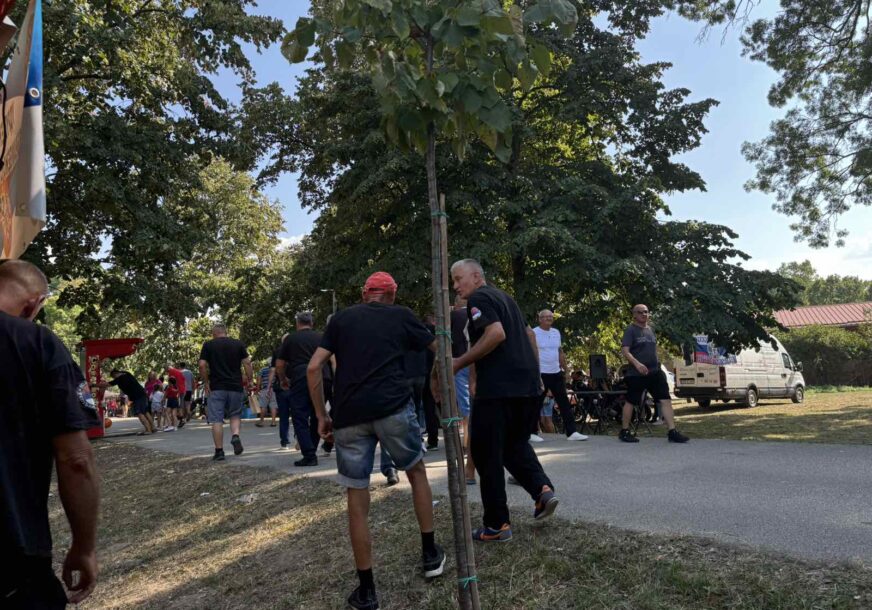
column 156, row 399
column 549, row 349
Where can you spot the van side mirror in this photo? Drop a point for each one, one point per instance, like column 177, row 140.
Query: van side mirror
column 797, row 367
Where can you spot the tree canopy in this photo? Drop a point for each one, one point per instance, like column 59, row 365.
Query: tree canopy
column 574, row 217
column 829, row 290
column 817, row 159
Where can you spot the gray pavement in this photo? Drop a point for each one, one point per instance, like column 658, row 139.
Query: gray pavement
column 807, row 500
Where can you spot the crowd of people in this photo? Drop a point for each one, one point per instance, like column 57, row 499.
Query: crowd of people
column 367, row 381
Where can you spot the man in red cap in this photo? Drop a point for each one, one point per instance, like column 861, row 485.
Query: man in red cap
column 371, row 404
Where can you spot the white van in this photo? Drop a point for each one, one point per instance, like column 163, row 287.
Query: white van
column 753, row 374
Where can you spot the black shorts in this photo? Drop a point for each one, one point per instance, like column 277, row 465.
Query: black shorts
column 655, row 383
column 140, row 406
column 172, row 403
column 188, row 396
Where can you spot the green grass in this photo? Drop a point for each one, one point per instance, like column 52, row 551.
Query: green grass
column 824, row 417
column 165, row 545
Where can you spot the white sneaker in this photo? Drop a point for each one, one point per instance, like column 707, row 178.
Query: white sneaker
column 169, row 429
column 535, row 438
column 576, row 436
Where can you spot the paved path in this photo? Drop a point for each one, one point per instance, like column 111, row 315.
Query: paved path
column 808, row 500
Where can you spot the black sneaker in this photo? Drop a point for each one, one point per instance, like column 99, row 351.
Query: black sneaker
column 219, row 455
column 307, row 461
column 363, row 599
column 546, row 504
column 181, row 423
column 392, row 477
column 434, row 563
column 237, row 445
column 626, row 437
column 433, row 446
column 677, row 437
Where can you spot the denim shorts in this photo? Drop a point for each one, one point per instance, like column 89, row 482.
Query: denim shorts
column 399, row 433
column 223, row 404
column 461, row 388
column 548, row 407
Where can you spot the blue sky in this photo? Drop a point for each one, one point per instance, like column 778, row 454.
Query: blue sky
column 712, row 67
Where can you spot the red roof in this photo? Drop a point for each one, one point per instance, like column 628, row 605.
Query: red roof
column 848, row 314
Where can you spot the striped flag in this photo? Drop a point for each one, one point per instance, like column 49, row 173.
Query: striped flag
column 22, row 177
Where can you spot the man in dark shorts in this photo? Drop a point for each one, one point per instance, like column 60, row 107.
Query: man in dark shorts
column 291, row 362
column 372, row 404
column 128, row 384
column 45, row 408
column 639, row 347
column 221, row 361
column 507, row 390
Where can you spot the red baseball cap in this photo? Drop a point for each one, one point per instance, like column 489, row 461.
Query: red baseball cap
column 380, row 282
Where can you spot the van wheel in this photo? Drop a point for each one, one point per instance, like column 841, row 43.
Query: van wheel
column 798, row 395
column 751, row 399
column 705, row 403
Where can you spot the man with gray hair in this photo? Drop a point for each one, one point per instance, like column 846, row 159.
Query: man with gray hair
column 552, row 368
column 503, row 351
column 291, row 361
column 221, row 361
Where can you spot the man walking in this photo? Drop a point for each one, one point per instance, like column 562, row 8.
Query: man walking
column 291, row 361
column 507, row 392
column 462, row 386
column 221, row 361
column 372, row 404
column 639, row 347
column 45, row 408
column 552, row 368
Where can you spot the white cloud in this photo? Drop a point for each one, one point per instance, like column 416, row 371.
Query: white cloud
column 290, row 240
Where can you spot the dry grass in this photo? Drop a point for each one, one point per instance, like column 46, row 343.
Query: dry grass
column 832, row 417
column 164, row 544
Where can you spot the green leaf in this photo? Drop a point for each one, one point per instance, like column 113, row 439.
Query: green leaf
column 542, row 57
column 400, row 24
column 468, row 16
column 517, row 17
column 293, row 50
column 454, row 35
column 499, row 116
column 471, row 100
column 498, row 25
column 383, row 5
column 352, row 35
column 489, row 136
column 449, row 81
column 565, row 15
column 305, row 31
column 527, row 74
column 345, row 54
column 503, row 79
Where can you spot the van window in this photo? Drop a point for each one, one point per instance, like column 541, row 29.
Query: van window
column 786, row 359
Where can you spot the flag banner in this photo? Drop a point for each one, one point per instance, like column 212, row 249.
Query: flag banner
column 22, row 176
column 706, row 352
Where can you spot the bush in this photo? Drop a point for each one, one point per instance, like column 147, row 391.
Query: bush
column 832, row 355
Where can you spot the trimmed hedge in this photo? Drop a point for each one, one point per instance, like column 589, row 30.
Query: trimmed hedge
column 832, row 355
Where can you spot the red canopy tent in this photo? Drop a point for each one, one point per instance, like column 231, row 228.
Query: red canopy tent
column 94, row 352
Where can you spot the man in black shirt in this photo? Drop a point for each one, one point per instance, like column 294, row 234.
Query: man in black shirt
column 45, row 409
column 128, row 384
column 291, row 362
column 372, row 404
column 221, row 362
column 507, row 391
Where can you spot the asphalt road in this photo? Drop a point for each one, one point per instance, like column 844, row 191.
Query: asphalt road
column 807, row 500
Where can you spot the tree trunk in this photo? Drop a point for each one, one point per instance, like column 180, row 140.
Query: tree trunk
column 467, row 586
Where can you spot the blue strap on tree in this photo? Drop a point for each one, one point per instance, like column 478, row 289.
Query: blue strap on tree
column 451, row 421
column 465, row 581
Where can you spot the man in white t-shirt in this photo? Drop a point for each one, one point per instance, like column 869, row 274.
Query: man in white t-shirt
column 552, row 367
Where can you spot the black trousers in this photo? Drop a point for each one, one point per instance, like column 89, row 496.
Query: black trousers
column 499, row 429
column 29, row 583
column 556, row 382
column 431, row 414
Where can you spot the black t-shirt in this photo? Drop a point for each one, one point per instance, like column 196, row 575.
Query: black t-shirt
column 459, row 342
column 511, row 369
column 415, row 363
column 370, row 341
column 128, row 384
column 224, row 356
column 42, row 394
column 297, row 350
